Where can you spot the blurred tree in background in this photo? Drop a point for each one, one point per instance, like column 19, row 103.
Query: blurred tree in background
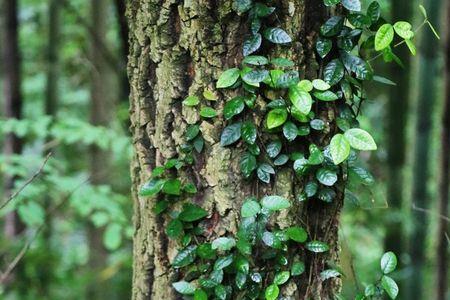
column 66, row 210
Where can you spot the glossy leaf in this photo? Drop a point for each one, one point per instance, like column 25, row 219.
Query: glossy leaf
column 228, row 78
column 276, row 117
column 249, row 132
column 390, row 286
column 332, row 26
column 326, row 176
column 388, row 262
column 290, row 131
column 275, row 202
column 233, row 107
column 250, row 208
column 277, row 36
column 281, row 277
column 184, row 287
column 384, row 37
column 208, row 112
column 353, row 5
column 223, row 243
column 339, row 148
column 231, row 134
column 323, row 46
column 252, row 44
column 333, row 72
column 247, row 164
column 317, row 246
column 272, row 292
column 297, row 234
column 360, row 139
column 404, row 30
column 185, row 257
column 300, row 99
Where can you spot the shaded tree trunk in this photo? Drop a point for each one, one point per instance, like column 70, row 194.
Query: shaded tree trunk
column 178, row 50
column 102, row 109
column 443, row 226
column 124, row 47
column 428, row 73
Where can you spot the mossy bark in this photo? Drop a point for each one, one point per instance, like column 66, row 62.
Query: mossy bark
column 178, row 48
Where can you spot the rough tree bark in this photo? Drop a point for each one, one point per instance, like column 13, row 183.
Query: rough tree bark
column 442, row 234
column 178, row 48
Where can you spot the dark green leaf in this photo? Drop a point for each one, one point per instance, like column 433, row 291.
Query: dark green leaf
column 357, row 65
column 252, row 44
column 247, row 164
column 192, row 131
column 174, row 229
column 359, row 20
column 277, row 36
column 326, row 195
column 333, row 72
column 172, row 187
column 274, row 148
column 220, row 292
column 205, row 251
column 297, row 234
column 185, row 257
column 323, row 46
column 256, row 60
column 326, row 176
column 288, row 79
column 317, row 124
column 192, row 212
column 332, row 26
column 233, row 107
column 249, row 132
column 311, row 188
column 231, row 134
column 298, row 268
column 263, row 10
column 374, row 11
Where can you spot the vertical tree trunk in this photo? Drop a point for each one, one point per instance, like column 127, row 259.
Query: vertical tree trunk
column 396, row 132
column 102, row 108
column 124, row 47
column 442, row 237
column 428, row 74
column 179, row 49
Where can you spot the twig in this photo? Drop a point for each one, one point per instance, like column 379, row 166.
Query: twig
column 38, row 172
column 4, row 275
column 427, row 211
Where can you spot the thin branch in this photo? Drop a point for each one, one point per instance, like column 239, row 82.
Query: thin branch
column 13, row 264
column 30, row 180
column 427, row 211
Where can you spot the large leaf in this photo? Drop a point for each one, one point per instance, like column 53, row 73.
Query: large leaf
column 332, row 26
column 228, row 78
column 384, row 37
column 231, row 134
column 275, row 202
column 252, row 44
column 389, row 286
column 339, row 148
column 184, row 287
column 300, row 99
column 388, row 262
column 360, row 139
column 333, row 72
column 277, row 36
column 353, row 5
column 276, row 117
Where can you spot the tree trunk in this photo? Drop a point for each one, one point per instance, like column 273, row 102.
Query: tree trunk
column 428, row 73
column 179, row 49
column 102, row 108
column 443, row 226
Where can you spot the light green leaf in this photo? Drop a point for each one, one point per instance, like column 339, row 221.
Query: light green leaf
column 339, row 148
column 275, row 202
column 326, row 176
column 152, row 187
column 388, row 262
column 228, row 78
column 297, row 234
column 298, row 268
column 281, row 277
column 411, row 47
column 184, row 287
column 256, row 60
column 208, row 112
column 112, row 238
column 320, row 85
column 223, row 243
column 272, row 292
column 326, row 96
column 404, row 30
column 300, row 99
column 200, row 295
column 250, row 208
column 384, row 37
column 191, row 101
column 389, row 286
column 276, row 117
column 360, row 139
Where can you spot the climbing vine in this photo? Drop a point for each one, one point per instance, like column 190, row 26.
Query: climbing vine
column 261, row 258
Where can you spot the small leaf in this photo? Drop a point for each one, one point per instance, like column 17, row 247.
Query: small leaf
column 233, row 107
column 174, row 229
column 184, row 287
column 208, row 112
column 360, row 139
column 256, row 60
column 185, row 257
column 263, row 10
column 300, row 99
column 223, row 243
column 389, row 286
column 323, row 46
column 383, row 80
column 255, row 76
column 334, row 72
column 339, row 148
column 191, row 101
column 384, row 37
column 281, row 160
column 192, row 212
column 331, row 2
column 247, row 164
column 388, row 262
column 374, row 11
column 192, row 131
column 200, row 295
column 282, row 62
column 241, row 6
column 326, row 176
column 231, row 134
column 297, row 234
column 290, row 131
column 298, row 268
column 152, row 187
column 275, row 202
column 332, row 26
column 228, row 78
column 411, row 47
column 250, row 208
column 326, row 96
column 172, row 187
column 329, row 273
column 353, row 5
column 281, row 278
column 277, row 36
column 205, row 251
column 274, row 148
column 272, row 292
column 276, row 118
column 249, row 132
column 317, row 246
column 404, row 30
column 252, row 44
column 210, row 95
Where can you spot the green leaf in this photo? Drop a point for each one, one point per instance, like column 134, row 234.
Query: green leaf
column 185, row 257
column 433, row 30
column 290, row 131
column 275, row 202
column 205, row 251
column 172, row 187
column 374, row 11
column 384, row 37
column 233, row 107
column 160, row 206
column 357, row 65
column 220, row 292
column 333, row 72
column 297, row 234
column 250, row 208
column 264, row 171
column 353, row 5
column 388, row 262
column 359, row 20
column 282, row 62
column 274, row 148
column 297, row 268
column 192, row 212
column 305, row 85
column 326, row 195
column 228, row 78
column 276, row 117
column 281, row 160
column 277, row 36
column 184, row 287
column 370, row 290
column 423, row 11
column 255, row 76
column 326, row 176
column 311, row 188
column 152, row 187
column 272, row 292
column 315, row 155
column 230, row 134
column 362, row 175
column 317, row 246
column 320, row 85
column 223, row 262
column 317, row 124
column 252, row 44
column 300, row 99
column 383, row 80
column 326, row 96
column 411, row 47
column 288, row 79
column 256, row 60
column 191, row 101
column 247, row 164
column 192, row 131
column 241, row 6
column 249, row 132
column 208, row 112
column 223, row 244
column 174, row 229
column 281, row 278
column 200, row 295
column 323, row 46
column 360, row 139
column 263, row 10
column 331, row 2
column 389, row 286
column 339, row 148
column 112, row 237
column 210, row 95
column 332, row 26
column 404, row 30
column 329, row 273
